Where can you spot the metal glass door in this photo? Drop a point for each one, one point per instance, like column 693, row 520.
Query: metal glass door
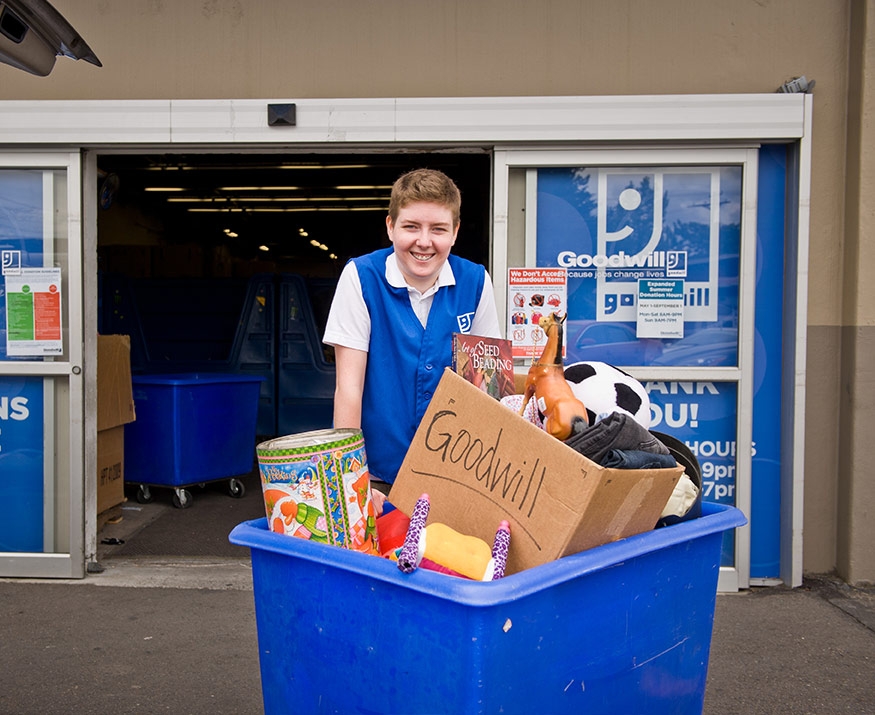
column 41, row 376
column 658, row 248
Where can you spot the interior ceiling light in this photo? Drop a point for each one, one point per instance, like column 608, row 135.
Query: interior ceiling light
column 314, row 242
column 196, row 200
column 217, row 210
column 164, row 188
column 263, row 248
column 310, row 199
column 164, row 166
column 369, row 188
column 275, row 199
column 323, row 166
column 260, row 188
column 286, row 209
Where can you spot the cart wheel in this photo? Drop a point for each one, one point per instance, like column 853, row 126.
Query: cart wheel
column 236, row 488
column 182, row 498
column 144, row 494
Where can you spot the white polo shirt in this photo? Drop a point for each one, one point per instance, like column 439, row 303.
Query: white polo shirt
column 349, row 323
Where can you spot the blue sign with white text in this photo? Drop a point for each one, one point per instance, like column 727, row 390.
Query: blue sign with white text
column 21, row 398
column 617, row 228
column 702, row 415
column 21, row 464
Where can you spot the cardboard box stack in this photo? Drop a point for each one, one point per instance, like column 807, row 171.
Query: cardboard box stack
column 115, row 409
column 480, row 463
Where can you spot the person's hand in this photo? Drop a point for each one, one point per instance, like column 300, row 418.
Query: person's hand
column 379, row 500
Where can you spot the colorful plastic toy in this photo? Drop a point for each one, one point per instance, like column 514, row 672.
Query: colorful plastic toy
column 438, row 547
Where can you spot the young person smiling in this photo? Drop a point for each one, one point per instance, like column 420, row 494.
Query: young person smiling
column 393, row 316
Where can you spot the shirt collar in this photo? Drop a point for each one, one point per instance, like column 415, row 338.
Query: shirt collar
column 396, row 278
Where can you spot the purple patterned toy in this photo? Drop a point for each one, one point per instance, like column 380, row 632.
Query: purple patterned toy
column 409, row 558
column 499, row 549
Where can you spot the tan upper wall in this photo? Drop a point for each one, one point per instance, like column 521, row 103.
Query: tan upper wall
column 859, row 292
column 158, row 49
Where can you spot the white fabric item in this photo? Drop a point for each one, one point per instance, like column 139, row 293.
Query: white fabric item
column 349, row 323
column 682, row 498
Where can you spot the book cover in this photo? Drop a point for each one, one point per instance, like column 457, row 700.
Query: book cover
column 487, row 363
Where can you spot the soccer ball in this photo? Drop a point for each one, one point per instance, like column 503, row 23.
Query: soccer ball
column 604, row 389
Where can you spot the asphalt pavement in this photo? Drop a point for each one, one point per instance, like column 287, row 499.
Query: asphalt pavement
column 175, row 633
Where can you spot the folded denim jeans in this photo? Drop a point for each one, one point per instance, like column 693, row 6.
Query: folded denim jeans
column 637, row 459
column 616, row 431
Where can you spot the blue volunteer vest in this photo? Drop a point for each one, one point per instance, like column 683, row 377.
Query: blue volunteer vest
column 405, row 360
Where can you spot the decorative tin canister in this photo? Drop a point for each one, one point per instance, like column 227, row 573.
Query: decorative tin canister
column 316, row 486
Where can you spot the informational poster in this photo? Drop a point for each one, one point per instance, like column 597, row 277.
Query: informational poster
column 660, row 308
column 33, row 312
column 532, row 293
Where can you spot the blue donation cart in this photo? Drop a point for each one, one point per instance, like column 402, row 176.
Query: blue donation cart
column 622, row 628
column 191, row 428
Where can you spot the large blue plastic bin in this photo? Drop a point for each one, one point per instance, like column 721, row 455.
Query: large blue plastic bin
column 624, row 628
column 191, row 428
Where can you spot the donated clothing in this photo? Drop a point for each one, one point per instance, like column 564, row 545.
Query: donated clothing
column 406, row 354
column 637, row 459
column 616, row 431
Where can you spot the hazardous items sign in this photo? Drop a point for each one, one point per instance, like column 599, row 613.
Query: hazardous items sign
column 532, row 293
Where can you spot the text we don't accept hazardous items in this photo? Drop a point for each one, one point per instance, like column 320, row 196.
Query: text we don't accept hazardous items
column 482, row 460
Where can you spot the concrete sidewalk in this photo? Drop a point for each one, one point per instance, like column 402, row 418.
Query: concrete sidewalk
column 169, row 627
column 806, row 650
column 156, row 635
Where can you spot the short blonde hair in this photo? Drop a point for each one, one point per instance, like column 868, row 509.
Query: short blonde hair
column 426, row 185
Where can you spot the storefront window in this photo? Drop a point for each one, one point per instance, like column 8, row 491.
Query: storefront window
column 34, row 409
column 619, row 231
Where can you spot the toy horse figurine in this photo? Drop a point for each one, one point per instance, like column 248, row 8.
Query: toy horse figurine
column 563, row 413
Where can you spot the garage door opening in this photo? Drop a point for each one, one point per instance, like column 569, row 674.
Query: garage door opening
column 227, row 263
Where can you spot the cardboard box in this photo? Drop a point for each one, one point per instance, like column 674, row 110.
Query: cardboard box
column 115, row 396
column 481, row 463
column 110, row 468
column 115, row 408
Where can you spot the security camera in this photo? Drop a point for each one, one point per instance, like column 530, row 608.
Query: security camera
column 797, row 85
column 33, row 33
